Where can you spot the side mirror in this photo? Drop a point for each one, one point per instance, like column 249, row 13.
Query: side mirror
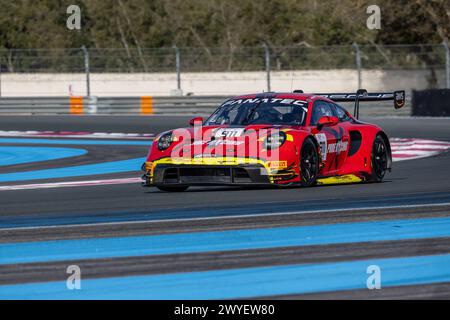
column 194, row 120
column 327, row 121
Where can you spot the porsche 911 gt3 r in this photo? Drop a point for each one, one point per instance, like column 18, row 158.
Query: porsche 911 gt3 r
column 278, row 139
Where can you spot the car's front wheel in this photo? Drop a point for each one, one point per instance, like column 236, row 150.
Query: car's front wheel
column 309, row 163
column 173, row 188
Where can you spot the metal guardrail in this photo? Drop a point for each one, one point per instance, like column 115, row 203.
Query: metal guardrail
column 190, row 105
column 159, row 105
column 146, row 105
column 34, row 105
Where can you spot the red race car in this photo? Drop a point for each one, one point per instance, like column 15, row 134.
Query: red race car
column 277, row 139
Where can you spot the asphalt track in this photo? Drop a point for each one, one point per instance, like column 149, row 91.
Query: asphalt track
column 398, row 222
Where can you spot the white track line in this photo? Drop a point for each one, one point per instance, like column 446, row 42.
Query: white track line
column 70, row 184
column 415, row 152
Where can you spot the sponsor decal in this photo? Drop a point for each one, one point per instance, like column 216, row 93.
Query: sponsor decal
column 352, row 96
column 266, row 100
column 337, row 147
column 215, row 143
column 399, row 99
column 229, row 133
column 277, row 164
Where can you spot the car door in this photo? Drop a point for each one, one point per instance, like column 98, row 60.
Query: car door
column 343, row 136
column 332, row 139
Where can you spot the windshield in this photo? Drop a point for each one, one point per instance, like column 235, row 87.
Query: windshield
column 260, row 111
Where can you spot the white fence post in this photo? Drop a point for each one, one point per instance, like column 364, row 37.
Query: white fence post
column 447, row 63
column 178, row 66
column 267, row 58
column 358, row 63
column 86, row 68
column 177, row 91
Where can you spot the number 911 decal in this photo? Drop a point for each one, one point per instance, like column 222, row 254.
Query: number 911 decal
column 229, row 133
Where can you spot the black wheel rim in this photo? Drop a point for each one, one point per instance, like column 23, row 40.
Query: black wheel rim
column 379, row 158
column 309, row 163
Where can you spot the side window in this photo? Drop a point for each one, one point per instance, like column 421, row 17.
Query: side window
column 320, row 109
column 340, row 113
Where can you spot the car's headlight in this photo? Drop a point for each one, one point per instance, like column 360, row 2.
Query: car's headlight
column 274, row 140
column 165, row 141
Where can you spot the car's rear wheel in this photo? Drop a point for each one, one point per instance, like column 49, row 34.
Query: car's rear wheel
column 309, row 163
column 173, row 188
column 379, row 159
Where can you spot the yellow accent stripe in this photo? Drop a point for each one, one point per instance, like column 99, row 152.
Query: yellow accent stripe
column 219, row 161
column 76, row 105
column 228, row 161
column 146, row 105
column 348, row 178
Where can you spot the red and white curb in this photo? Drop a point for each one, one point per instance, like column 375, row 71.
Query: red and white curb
column 75, row 134
column 409, row 149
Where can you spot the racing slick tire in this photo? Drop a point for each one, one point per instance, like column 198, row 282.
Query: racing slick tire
column 379, row 159
column 173, row 188
column 309, row 163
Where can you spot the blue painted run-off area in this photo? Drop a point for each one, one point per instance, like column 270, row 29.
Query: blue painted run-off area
column 15, row 155
column 19, row 155
column 76, row 142
column 76, row 171
column 223, row 240
column 246, row 282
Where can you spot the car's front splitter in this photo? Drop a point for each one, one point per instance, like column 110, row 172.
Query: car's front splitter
column 216, row 171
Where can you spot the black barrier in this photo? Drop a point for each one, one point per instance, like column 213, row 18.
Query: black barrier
column 431, row 103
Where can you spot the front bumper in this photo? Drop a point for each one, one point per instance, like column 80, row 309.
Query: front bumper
column 213, row 172
column 209, row 175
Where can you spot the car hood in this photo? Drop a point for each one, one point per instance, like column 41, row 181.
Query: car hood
column 219, row 141
column 229, row 133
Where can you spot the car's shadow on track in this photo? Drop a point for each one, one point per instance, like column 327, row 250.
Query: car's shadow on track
column 280, row 188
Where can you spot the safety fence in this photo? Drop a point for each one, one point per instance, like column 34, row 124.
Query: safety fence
column 221, row 71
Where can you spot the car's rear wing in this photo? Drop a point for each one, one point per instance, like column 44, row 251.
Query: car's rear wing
column 363, row 96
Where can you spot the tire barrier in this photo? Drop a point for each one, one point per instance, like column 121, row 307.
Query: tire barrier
column 431, row 103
